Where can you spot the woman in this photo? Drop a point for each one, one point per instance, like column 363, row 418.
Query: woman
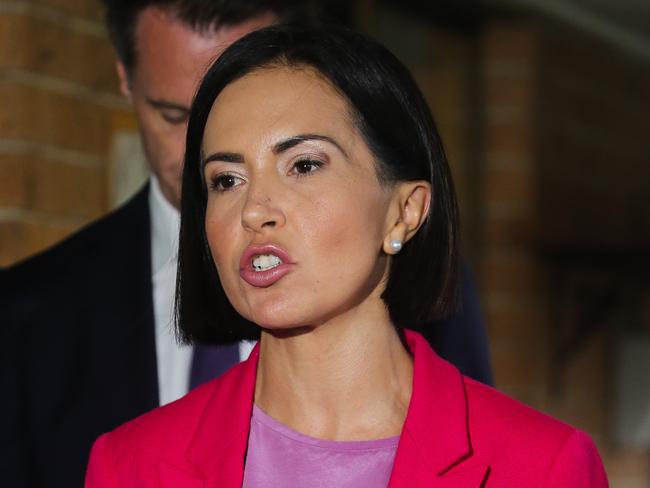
column 318, row 209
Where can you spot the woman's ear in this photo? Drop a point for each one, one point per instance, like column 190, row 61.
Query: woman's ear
column 408, row 210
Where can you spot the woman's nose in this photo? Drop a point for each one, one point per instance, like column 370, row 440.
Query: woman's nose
column 261, row 211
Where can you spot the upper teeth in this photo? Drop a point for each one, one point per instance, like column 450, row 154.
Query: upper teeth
column 265, row 261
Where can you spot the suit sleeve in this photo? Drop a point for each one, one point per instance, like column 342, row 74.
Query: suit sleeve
column 577, row 464
column 100, row 472
column 16, row 454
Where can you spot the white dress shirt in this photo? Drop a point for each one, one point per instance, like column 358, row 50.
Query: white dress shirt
column 173, row 360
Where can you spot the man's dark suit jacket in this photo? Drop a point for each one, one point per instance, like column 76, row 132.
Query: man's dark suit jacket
column 80, row 351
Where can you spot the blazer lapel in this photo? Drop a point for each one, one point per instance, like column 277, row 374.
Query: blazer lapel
column 474, row 477
column 172, row 477
column 435, row 448
column 218, row 448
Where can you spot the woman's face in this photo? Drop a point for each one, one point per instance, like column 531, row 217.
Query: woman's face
column 296, row 216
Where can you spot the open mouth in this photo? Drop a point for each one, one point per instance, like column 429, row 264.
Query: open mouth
column 264, row 262
column 263, row 265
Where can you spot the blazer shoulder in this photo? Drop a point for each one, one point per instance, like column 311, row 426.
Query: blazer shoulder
column 506, row 433
column 163, row 429
column 577, row 463
column 166, row 432
column 166, row 436
column 494, row 413
column 130, row 455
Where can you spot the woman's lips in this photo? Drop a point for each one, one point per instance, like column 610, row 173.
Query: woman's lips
column 263, row 279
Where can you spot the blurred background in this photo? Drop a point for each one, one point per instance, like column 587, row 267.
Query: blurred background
column 544, row 106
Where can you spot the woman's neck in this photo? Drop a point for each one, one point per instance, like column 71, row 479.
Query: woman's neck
column 348, row 379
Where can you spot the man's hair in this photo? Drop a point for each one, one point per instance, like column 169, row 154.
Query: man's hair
column 201, row 15
column 393, row 117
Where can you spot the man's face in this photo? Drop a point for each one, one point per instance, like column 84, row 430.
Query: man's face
column 171, row 58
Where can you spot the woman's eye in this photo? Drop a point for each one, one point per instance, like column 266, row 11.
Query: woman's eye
column 225, row 182
column 305, row 166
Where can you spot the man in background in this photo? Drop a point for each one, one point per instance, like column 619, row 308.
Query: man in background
column 88, row 332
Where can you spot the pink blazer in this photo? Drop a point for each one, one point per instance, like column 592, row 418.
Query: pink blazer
column 457, row 433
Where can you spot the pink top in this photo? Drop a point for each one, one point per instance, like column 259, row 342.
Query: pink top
column 279, row 457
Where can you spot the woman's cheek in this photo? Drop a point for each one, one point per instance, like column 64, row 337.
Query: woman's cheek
column 347, row 221
column 326, row 226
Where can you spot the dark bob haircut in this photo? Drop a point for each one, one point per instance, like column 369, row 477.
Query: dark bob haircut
column 395, row 122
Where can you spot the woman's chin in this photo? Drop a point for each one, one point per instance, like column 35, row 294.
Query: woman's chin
column 287, row 331
column 274, row 314
column 280, row 322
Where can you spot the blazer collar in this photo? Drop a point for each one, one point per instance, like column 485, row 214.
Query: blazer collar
column 218, row 447
column 437, row 415
column 436, row 423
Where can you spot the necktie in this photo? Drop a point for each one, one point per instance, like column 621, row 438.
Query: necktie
column 211, row 361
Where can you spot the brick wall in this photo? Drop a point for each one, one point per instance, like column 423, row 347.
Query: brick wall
column 594, row 121
column 510, row 276
column 564, row 173
column 594, row 205
column 59, row 97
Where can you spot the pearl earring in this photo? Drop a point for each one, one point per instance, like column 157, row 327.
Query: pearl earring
column 396, row 245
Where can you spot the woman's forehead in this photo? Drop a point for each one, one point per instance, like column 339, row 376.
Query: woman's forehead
column 275, row 102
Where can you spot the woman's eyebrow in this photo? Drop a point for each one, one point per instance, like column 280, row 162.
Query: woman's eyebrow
column 225, row 157
column 284, row 145
column 295, row 140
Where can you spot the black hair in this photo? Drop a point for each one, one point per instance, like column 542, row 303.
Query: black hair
column 201, row 15
column 395, row 122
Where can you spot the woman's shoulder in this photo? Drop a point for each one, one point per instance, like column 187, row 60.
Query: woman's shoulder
column 131, row 454
column 165, row 428
column 158, row 438
column 489, row 410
